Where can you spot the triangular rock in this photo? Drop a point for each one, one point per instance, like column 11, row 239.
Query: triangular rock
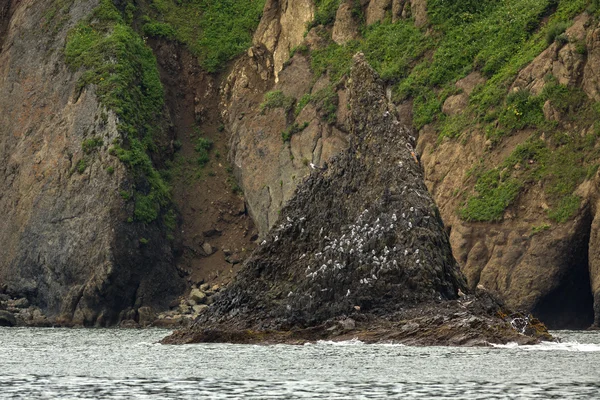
column 362, row 240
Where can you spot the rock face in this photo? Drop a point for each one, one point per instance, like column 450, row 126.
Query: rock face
column 66, row 244
column 361, row 238
column 282, row 28
column 267, row 167
column 555, row 272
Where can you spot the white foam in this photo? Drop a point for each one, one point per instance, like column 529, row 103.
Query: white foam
column 352, row 342
column 552, row 346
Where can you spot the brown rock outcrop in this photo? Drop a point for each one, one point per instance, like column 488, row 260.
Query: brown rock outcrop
column 563, row 61
column 345, row 27
column 267, row 167
column 282, row 28
column 552, row 270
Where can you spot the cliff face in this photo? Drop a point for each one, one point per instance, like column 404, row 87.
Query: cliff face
column 535, row 246
column 505, row 130
column 67, row 245
column 533, row 263
column 361, row 237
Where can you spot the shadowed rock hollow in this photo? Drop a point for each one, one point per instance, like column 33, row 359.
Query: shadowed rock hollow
column 359, row 251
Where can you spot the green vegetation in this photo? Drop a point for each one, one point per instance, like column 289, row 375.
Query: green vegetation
column 522, row 111
column 326, row 101
column 293, row 129
column 81, row 166
column 159, row 29
column 560, row 164
column 555, row 31
column 124, row 71
column 304, row 100
column 497, row 39
column 213, row 30
column 203, row 147
column 325, row 14
column 89, row 145
column 276, row 99
column 537, row 229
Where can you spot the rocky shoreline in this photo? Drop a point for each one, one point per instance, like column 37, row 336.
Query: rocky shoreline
column 470, row 321
column 18, row 312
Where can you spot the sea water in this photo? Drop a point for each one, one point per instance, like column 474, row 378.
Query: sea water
column 130, row 364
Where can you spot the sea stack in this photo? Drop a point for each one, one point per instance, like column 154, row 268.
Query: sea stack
column 360, row 251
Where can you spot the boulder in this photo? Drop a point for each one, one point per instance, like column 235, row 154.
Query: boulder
column 198, row 296
column 199, row 308
column 207, row 248
column 20, row 303
column 146, row 316
column 7, row 318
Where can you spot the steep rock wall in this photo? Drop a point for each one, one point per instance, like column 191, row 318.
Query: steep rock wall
column 66, row 244
column 282, row 28
column 268, row 167
column 552, row 272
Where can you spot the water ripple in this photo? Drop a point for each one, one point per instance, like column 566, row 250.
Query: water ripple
column 129, row 364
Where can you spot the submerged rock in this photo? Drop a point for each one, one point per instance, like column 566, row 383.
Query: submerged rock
column 360, row 239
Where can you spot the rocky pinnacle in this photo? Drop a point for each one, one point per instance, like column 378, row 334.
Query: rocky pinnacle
column 359, row 248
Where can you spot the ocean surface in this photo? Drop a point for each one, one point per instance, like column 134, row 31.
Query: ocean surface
column 129, row 364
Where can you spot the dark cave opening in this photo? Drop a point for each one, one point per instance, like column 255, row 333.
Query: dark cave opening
column 571, row 304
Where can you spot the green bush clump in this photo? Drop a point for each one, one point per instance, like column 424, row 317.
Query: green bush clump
column 567, row 207
column 498, row 188
column 555, row 31
column 325, row 15
column 215, row 31
column 326, row 101
column 159, row 29
column 295, row 128
column 125, row 74
column 392, row 48
column 335, row 59
column 203, row 147
column 495, row 193
column 457, row 11
column 89, row 145
column 522, row 111
column 276, row 99
column 304, row 100
column 561, row 164
column 81, row 165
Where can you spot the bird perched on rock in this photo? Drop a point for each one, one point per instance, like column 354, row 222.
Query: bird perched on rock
column 461, row 293
column 313, row 166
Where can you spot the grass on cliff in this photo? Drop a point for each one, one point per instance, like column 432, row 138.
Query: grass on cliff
column 215, row 31
column 123, row 70
column 559, row 163
column 496, row 39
